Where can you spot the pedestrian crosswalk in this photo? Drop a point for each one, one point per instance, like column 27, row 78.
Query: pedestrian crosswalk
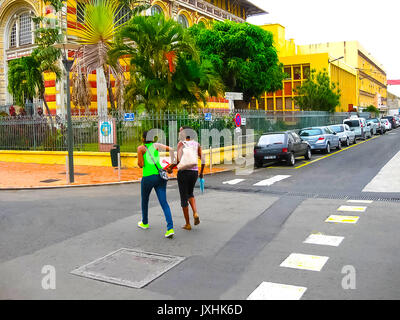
column 301, row 261
column 263, row 183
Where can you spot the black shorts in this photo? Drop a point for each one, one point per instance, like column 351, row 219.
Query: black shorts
column 186, row 182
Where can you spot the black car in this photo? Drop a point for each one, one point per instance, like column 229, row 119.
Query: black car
column 280, row 146
column 392, row 121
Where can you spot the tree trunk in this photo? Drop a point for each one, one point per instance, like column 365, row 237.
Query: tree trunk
column 48, row 111
column 109, row 87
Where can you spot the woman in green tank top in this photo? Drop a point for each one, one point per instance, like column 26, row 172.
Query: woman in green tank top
column 152, row 180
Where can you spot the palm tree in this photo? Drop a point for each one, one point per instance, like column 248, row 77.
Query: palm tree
column 96, row 37
column 165, row 68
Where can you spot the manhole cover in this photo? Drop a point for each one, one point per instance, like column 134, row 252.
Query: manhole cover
column 50, row 180
column 128, row 267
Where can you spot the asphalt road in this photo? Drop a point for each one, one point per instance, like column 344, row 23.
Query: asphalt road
column 253, row 232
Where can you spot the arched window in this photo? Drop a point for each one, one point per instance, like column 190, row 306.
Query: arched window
column 21, row 30
column 13, row 36
column 156, row 10
column 183, row 21
column 25, row 29
column 123, row 15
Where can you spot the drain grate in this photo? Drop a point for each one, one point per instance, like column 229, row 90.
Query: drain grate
column 76, row 173
column 50, row 180
column 130, row 268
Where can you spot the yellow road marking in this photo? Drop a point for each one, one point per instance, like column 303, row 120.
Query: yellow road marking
column 342, row 219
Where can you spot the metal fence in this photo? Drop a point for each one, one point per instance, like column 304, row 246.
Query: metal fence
column 50, row 134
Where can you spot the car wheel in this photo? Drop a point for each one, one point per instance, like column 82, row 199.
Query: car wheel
column 339, row 146
column 307, row 156
column 347, row 142
column 355, row 140
column 258, row 164
column 291, row 160
column 328, row 148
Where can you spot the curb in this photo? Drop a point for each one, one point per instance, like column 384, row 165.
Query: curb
column 92, row 185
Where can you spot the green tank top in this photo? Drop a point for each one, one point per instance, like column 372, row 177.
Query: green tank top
column 149, row 167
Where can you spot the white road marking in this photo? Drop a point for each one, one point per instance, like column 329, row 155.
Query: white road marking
column 304, row 262
column 233, row 182
column 277, row 291
column 324, row 240
column 352, row 209
column 342, row 219
column 360, row 201
column 387, row 179
column 271, row 181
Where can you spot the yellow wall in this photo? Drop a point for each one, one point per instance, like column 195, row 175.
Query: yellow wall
column 371, row 77
column 296, row 61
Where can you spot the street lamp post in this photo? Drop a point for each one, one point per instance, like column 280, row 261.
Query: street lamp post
column 70, row 135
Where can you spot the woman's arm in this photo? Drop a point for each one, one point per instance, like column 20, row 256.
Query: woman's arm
column 203, row 164
column 140, row 152
column 178, row 156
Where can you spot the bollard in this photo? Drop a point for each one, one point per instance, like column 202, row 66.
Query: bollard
column 119, row 167
column 67, row 170
column 210, row 159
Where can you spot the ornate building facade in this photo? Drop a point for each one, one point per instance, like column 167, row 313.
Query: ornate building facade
column 17, row 40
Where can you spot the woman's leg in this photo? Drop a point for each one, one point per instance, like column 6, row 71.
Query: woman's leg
column 182, row 184
column 161, row 191
column 192, row 201
column 146, row 186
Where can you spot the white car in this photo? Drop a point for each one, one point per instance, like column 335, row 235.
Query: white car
column 344, row 133
column 387, row 124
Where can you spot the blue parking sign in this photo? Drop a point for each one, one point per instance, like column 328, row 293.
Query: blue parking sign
column 207, row 116
column 129, row 117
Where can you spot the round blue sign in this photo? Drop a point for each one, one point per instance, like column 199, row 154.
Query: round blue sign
column 105, row 129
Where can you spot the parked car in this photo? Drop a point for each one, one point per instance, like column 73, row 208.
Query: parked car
column 373, row 126
column 359, row 126
column 344, row 133
column 392, row 121
column 280, row 146
column 379, row 126
column 321, row 138
column 386, row 123
column 397, row 120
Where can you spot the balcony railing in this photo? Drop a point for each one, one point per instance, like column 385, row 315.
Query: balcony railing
column 209, row 9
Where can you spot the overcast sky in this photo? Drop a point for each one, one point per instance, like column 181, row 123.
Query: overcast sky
column 374, row 23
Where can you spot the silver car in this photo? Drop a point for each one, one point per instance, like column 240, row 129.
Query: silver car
column 344, row 133
column 320, row 138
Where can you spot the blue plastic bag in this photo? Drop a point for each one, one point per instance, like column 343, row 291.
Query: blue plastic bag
column 201, row 180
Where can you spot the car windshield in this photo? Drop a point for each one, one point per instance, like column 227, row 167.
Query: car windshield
column 310, row 132
column 271, row 139
column 352, row 123
column 337, row 129
column 374, row 120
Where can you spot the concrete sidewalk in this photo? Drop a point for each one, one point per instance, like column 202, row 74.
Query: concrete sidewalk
column 21, row 277
column 31, row 175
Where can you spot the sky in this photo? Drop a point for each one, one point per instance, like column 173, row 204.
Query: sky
column 374, row 23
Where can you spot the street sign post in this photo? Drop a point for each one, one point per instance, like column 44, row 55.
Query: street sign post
column 232, row 96
column 238, row 120
column 129, row 117
column 208, row 117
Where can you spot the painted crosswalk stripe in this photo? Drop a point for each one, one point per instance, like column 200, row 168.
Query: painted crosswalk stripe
column 233, row 182
column 360, row 201
column 324, row 240
column 352, row 209
column 342, row 219
column 277, row 291
column 304, row 262
column 271, row 181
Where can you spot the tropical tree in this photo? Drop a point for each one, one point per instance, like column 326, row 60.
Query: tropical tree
column 96, row 37
column 165, row 69
column 244, row 56
column 372, row 109
column 318, row 93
